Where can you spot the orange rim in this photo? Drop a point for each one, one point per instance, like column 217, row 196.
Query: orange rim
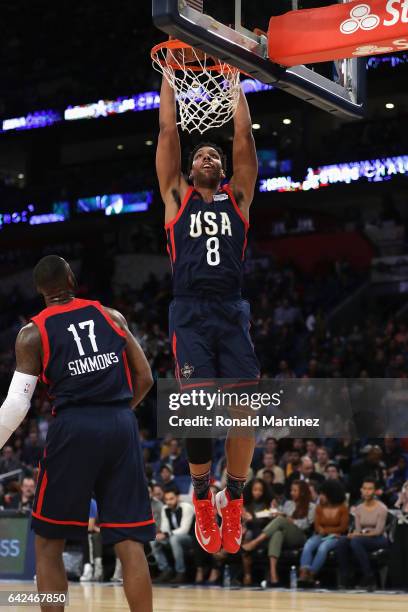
column 174, row 44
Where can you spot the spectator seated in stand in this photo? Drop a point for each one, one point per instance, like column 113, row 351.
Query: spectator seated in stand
column 156, row 496
column 257, row 513
column 314, row 488
column 269, row 479
column 176, row 528
column 311, row 450
column 10, row 463
column 267, row 445
column 32, row 450
column 331, row 521
column 290, row 462
column 332, row 471
column 322, row 460
column 306, row 473
column 269, row 463
column 370, row 466
column 23, row 501
column 157, row 491
column 391, row 453
column 278, row 497
column 288, row 528
column 368, row 535
column 165, row 478
column 175, row 458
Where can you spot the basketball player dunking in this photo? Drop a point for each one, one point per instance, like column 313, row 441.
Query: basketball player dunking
column 96, row 371
column 207, row 224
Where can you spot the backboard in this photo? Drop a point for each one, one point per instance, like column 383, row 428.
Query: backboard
column 343, row 95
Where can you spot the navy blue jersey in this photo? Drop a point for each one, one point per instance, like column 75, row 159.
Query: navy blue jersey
column 84, row 359
column 206, row 243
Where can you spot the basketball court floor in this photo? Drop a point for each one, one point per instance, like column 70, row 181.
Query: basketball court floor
column 96, row 597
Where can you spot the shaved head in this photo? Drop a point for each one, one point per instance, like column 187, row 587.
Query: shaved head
column 53, row 274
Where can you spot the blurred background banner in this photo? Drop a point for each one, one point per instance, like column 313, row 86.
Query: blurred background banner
column 16, row 547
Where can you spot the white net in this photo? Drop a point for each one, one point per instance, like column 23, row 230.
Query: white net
column 207, row 89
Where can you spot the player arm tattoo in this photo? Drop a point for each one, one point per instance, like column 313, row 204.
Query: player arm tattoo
column 140, row 370
column 29, row 350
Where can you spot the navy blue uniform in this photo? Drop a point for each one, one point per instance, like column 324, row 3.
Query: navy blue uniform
column 208, row 320
column 93, row 442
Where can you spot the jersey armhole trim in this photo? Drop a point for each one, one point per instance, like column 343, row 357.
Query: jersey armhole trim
column 39, row 322
column 112, row 323
column 228, row 190
column 181, row 209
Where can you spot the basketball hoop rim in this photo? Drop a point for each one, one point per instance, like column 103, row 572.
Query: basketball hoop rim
column 175, row 44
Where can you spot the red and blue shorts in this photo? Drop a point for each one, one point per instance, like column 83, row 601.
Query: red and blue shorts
column 211, row 339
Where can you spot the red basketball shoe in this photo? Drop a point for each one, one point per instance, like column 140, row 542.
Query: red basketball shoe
column 206, row 528
column 230, row 510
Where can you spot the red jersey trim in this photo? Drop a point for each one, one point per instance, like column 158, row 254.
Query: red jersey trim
column 43, row 486
column 181, row 210
column 187, row 197
column 39, row 321
column 228, row 190
column 245, row 242
column 56, row 522
column 174, row 349
column 248, row 383
column 76, row 304
column 198, row 383
column 120, row 525
column 115, row 326
column 173, row 244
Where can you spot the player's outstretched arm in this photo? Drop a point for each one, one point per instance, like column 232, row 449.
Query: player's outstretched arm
column 28, row 367
column 245, row 161
column 141, row 373
column 172, row 184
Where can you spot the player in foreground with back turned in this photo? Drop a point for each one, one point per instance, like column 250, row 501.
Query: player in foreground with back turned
column 95, row 371
column 206, row 225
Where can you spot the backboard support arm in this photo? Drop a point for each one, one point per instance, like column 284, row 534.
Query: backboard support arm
column 248, row 52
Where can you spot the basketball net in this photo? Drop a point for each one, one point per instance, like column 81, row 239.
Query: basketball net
column 207, row 89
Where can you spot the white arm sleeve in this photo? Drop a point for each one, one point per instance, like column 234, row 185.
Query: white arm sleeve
column 16, row 405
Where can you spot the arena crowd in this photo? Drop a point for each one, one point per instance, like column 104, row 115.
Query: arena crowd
column 303, row 496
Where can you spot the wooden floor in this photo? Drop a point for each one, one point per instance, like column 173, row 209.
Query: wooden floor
column 95, row 597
